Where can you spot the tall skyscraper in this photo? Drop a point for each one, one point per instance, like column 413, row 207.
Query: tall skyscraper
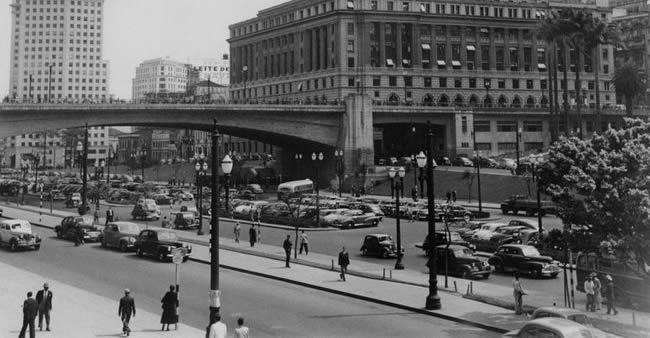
column 56, row 51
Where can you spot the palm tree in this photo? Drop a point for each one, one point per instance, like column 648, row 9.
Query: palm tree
column 547, row 31
column 628, row 83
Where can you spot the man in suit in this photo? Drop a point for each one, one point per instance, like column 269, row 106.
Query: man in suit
column 287, row 250
column 30, row 310
column 109, row 215
column 44, row 300
column 126, row 309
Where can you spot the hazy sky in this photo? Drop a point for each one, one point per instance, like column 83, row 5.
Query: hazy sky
column 136, row 30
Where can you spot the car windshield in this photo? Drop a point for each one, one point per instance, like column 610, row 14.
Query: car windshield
column 530, row 251
column 167, row 236
column 15, row 226
column 129, row 228
column 463, row 252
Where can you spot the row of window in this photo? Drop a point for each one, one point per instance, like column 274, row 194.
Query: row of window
column 507, row 126
column 62, row 2
column 89, row 88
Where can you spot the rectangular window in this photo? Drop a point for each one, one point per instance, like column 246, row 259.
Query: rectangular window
column 350, row 29
column 408, row 81
column 501, row 84
column 506, row 126
column 463, row 122
column 543, row 84
column 392, row 81
column 533, row 126
column 427, row 82
column 506, row 146
column 500, row 58
column 472, row 82
column 458, row 83
column 481, row 126
column 442, row 82
column 515, row 83
column 351, row 81
column 529, row 84
column 485, row 57
column 376, row 81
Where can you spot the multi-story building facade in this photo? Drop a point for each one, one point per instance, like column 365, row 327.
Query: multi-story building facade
column 482, row 57
column 160, row 75
column 215, row 70
column 56, row 51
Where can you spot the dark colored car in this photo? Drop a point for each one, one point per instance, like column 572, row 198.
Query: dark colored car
column 524, row 259
column 160, row 244
column 380, row 245
column 69, row 227
column 441, row 239
column 461, row 262
column 120, row 235
column 505, row 235
column 185, row 220
column 453, row 213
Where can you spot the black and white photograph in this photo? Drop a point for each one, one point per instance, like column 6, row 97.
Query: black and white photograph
column 325, row 168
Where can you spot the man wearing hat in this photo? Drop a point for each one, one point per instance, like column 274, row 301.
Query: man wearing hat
column 126, row 309
column 44, row 300
column 597, row 291
column 609, row 294
column 589, row 290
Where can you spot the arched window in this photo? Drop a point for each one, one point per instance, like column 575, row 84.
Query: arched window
column 487, row 102
column 443, row 101
column 473, row 101
column 502, row 101
column 393, row 98
column 530, row 102
column 427, row 100
column 544, row 102
column 516, row 103
column 458, row 101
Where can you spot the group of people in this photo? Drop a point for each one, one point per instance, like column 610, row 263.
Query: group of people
column 595, row 290
column 170, row 303
column 41, row 307
column 219, row 330
column 592, row 286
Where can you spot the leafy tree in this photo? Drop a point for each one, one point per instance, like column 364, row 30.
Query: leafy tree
column 628, row 83
column 602, row 185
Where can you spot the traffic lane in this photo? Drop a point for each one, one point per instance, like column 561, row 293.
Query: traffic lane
column 271, row 308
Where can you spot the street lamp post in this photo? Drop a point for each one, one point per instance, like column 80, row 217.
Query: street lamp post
column 226, row 167
column 518, row 139
column 398, row 188
column 433, row 299
column 84, row 177
column 109, row 161
column 338, row 154
column 201, row 169
column 244, row 72
column 536, row 161
column 80, row 149
column 414, row 192
column 298, row 158
column 49, row 85
column 143, row 155
column 478, row 172
column 24, row 168
column 215, row 303
column 318, row 157
column 133, row 162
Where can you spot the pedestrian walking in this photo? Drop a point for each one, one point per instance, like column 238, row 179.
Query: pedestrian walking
column 589, row 290
column 30, row 310
column 453, row 196
column 518, row 293
column 237, row 231
column 259, row 232
column 344, row 261
column 44, row 300
column 96, row 216
column 170, row 307
column 165, row 222
column 109, row 215
column 218, row 329
column 287, row 250
column 609, row 295
column 598, row 298
column 79, row 236
column 125, row 311
column 448, row 194
column 304, row 242
column 252, row 235
column 241, row 331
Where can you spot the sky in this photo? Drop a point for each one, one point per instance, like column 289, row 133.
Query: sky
column 137, row 30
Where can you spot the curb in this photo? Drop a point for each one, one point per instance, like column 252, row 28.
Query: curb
column 364, row 298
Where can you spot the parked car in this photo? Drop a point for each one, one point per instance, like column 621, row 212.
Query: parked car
column 516, row 203
column 524, row 259
column 69, row 227
column 417, row 210
column 508, row 164
column 461, row 262
column 380, row 245
column 484, row 232
column 528, row 223
column 349, row 218
column 147, row 210
column 368, row 208
column 185, row 220
column 74, row 201
column 556, row 328
column 162, row 199
column 453, row 213
column 120, row 235
column 504, row 235
column 462, row 161
column 17, row 234
column 160, row 244
column 562, row 312
column 441, row 239
column 255, row 188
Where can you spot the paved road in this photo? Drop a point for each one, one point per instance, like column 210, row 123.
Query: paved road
column 272, row 308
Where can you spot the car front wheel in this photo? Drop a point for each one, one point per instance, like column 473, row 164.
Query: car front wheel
column 13, row 246
column 123, row 247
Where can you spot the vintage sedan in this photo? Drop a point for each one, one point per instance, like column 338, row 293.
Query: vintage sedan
column 525, row 259
column 160, row 244
column 562, row 312
column 185, row 220
column 17, row 234
column 504, row 235
column 460, row 261
column 120, row 235
column 380, row 245
column 351, row 219
column 441, row 238
column 146, row 212
column 556, row 328
column 70, row 225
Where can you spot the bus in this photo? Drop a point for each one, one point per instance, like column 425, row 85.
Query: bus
column 631, row 286
column 295, row 188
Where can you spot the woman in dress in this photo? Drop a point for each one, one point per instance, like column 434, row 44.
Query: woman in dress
column 169, row 306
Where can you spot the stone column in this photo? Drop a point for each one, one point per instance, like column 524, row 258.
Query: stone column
column 356, row 133
column 382, row 44
column 314, row 49
column 323, row 46
column 416, row 45
column 398, row 48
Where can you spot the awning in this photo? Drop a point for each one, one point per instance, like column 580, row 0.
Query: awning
column 455, row 63
column 484, row 30
column 513, row 48
column 423, row 8
column 541, row 50
column 426, row 46
column 541, row 66
column 300, row 87
column 390, row 63
column 471, row 48
column 406, row 61
column 442, row 63
column 350, row 4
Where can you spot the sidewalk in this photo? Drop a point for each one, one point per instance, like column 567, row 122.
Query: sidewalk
column 379, row 282
column 76, row 313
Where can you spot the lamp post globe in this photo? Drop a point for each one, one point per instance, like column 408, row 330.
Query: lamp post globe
column 421, row 159
column 226, row 165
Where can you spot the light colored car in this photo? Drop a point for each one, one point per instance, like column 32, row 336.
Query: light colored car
column 562, row 312
column 350, row 219
column 486, row 231
column 557, row 328
column 120, row 235
column 529, row 223
column 247, row 209
column 17, row 234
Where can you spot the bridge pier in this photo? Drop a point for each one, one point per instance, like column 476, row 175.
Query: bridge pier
column 356, row 134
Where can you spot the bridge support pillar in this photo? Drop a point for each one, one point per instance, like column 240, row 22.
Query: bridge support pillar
column 356, row 134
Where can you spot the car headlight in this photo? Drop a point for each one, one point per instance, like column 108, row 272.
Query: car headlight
column 131, row 240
